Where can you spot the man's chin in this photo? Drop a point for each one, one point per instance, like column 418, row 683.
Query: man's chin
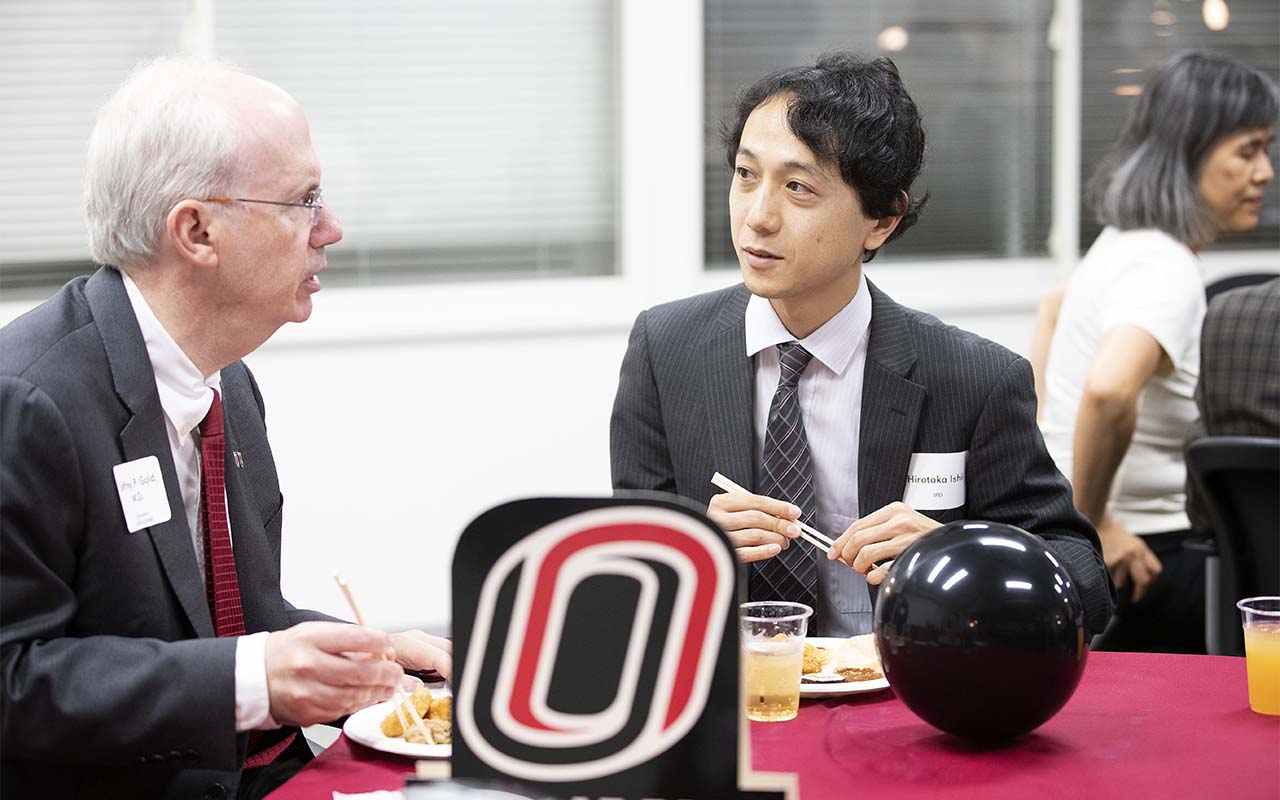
column 761, row 285
column 302, row 311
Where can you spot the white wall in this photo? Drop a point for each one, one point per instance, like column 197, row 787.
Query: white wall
column 387, row 450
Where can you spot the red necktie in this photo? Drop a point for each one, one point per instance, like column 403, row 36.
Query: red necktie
column 222, row 586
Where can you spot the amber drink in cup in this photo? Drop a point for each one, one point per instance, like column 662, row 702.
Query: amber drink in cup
column 772, row 651
column 1262, row 652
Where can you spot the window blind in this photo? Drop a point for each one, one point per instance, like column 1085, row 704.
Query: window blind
column 981, row 73
column 457, row 139
column 59, row 62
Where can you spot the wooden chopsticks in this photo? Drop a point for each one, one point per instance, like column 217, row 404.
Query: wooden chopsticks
column 399, row 699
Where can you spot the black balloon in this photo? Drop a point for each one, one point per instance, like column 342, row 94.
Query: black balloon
column 980, row 630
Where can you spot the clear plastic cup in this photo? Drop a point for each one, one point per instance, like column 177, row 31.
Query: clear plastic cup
column 772, row 655
column 1262, row 652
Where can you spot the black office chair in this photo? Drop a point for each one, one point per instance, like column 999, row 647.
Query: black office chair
column 1236, row 281
column 1238, row 478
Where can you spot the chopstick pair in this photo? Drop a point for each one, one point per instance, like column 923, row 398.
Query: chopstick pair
column 399, row 698
column 807, row 532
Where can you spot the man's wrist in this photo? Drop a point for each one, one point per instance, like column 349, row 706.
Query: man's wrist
column 253, row 700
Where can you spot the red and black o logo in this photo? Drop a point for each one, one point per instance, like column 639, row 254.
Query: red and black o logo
column 594, row 643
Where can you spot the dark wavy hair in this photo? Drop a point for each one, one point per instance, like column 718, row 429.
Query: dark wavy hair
column 856, row 114
column 1149, row 177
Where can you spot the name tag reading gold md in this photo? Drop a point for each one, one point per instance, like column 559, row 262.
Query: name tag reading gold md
column 142, row 496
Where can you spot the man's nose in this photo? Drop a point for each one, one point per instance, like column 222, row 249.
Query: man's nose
column 328, row 230
column 762, row 215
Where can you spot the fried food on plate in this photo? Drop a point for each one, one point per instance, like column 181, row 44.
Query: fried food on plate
column 437, row 718
column 442, row 708
column 855, row 674
column 857, row 659
column 814, row 658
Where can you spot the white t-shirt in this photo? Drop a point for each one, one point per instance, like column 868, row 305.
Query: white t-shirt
column 1148, row 279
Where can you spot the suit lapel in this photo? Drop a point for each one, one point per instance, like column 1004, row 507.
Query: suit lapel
column 727, row 374
column 891, row 405
column 144, row 435
column 263, row 608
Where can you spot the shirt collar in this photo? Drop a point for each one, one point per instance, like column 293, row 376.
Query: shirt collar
column 833, row 344
column 185, row 394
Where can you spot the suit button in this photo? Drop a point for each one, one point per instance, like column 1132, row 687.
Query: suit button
column 215, row 792
column 173, row 755
column 190, row 754
column 140, row 760
column 155, row 758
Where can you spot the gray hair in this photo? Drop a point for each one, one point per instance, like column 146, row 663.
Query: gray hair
column 1149, row 178
column 158, row 140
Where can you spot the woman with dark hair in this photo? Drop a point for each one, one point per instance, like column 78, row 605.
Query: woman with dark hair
column 1190, row 165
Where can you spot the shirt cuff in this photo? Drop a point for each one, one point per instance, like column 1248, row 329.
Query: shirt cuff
column 253, row 703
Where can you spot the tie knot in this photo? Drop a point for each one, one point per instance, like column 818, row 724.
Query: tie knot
column 792, row 359
column 211, row 425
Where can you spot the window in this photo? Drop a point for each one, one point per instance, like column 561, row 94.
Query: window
column 458, row 140
column 1122, row 40
column 61, row 60
column 981, row 72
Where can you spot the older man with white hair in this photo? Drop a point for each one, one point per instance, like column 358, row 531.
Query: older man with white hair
column 145, row 647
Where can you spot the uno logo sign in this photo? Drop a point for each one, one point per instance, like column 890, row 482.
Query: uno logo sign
column 677, row 579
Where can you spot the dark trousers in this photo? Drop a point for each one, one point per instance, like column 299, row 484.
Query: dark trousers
column 258, row 782
column 1170, row 617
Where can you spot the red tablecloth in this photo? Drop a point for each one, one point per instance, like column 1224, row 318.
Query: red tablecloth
column 1138, row 726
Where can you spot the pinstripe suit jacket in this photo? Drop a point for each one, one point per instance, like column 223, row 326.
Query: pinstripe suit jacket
column 1239, row 389
column 684, row 404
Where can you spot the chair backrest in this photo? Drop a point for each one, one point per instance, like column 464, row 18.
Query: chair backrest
column 1239, row 479
column 1235, row 282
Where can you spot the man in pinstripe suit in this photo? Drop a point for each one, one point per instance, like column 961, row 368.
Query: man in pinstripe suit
column 892, row 401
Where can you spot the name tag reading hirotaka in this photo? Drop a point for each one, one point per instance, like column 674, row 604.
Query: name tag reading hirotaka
column 142, row 496
column 935, row 481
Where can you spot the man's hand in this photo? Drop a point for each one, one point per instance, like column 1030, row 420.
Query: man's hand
column 880, row 535
column 1128, row 557
column 422, row 651
column 319, row 671
column 759, row 527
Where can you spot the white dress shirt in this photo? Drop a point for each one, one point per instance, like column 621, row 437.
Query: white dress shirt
column 185, row 398
column 830, row 396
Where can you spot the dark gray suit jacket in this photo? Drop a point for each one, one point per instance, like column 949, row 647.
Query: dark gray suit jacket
column 1239, row 389
column 684, row 405
column 113, row 683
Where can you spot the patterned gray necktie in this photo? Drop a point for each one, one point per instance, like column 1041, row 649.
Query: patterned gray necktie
column 787, row 474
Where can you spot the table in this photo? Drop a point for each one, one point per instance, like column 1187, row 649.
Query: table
column 1139, row 725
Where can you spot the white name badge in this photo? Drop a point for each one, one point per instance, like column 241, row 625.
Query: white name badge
column 142, row 495
column 935, row 481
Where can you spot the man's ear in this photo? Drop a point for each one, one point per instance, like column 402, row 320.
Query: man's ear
column 188, row 229
column 885, row 226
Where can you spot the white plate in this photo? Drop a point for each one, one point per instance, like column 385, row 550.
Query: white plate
column 812, row 690
column 365, row 727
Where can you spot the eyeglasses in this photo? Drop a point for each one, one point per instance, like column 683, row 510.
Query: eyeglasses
column 314, row 201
